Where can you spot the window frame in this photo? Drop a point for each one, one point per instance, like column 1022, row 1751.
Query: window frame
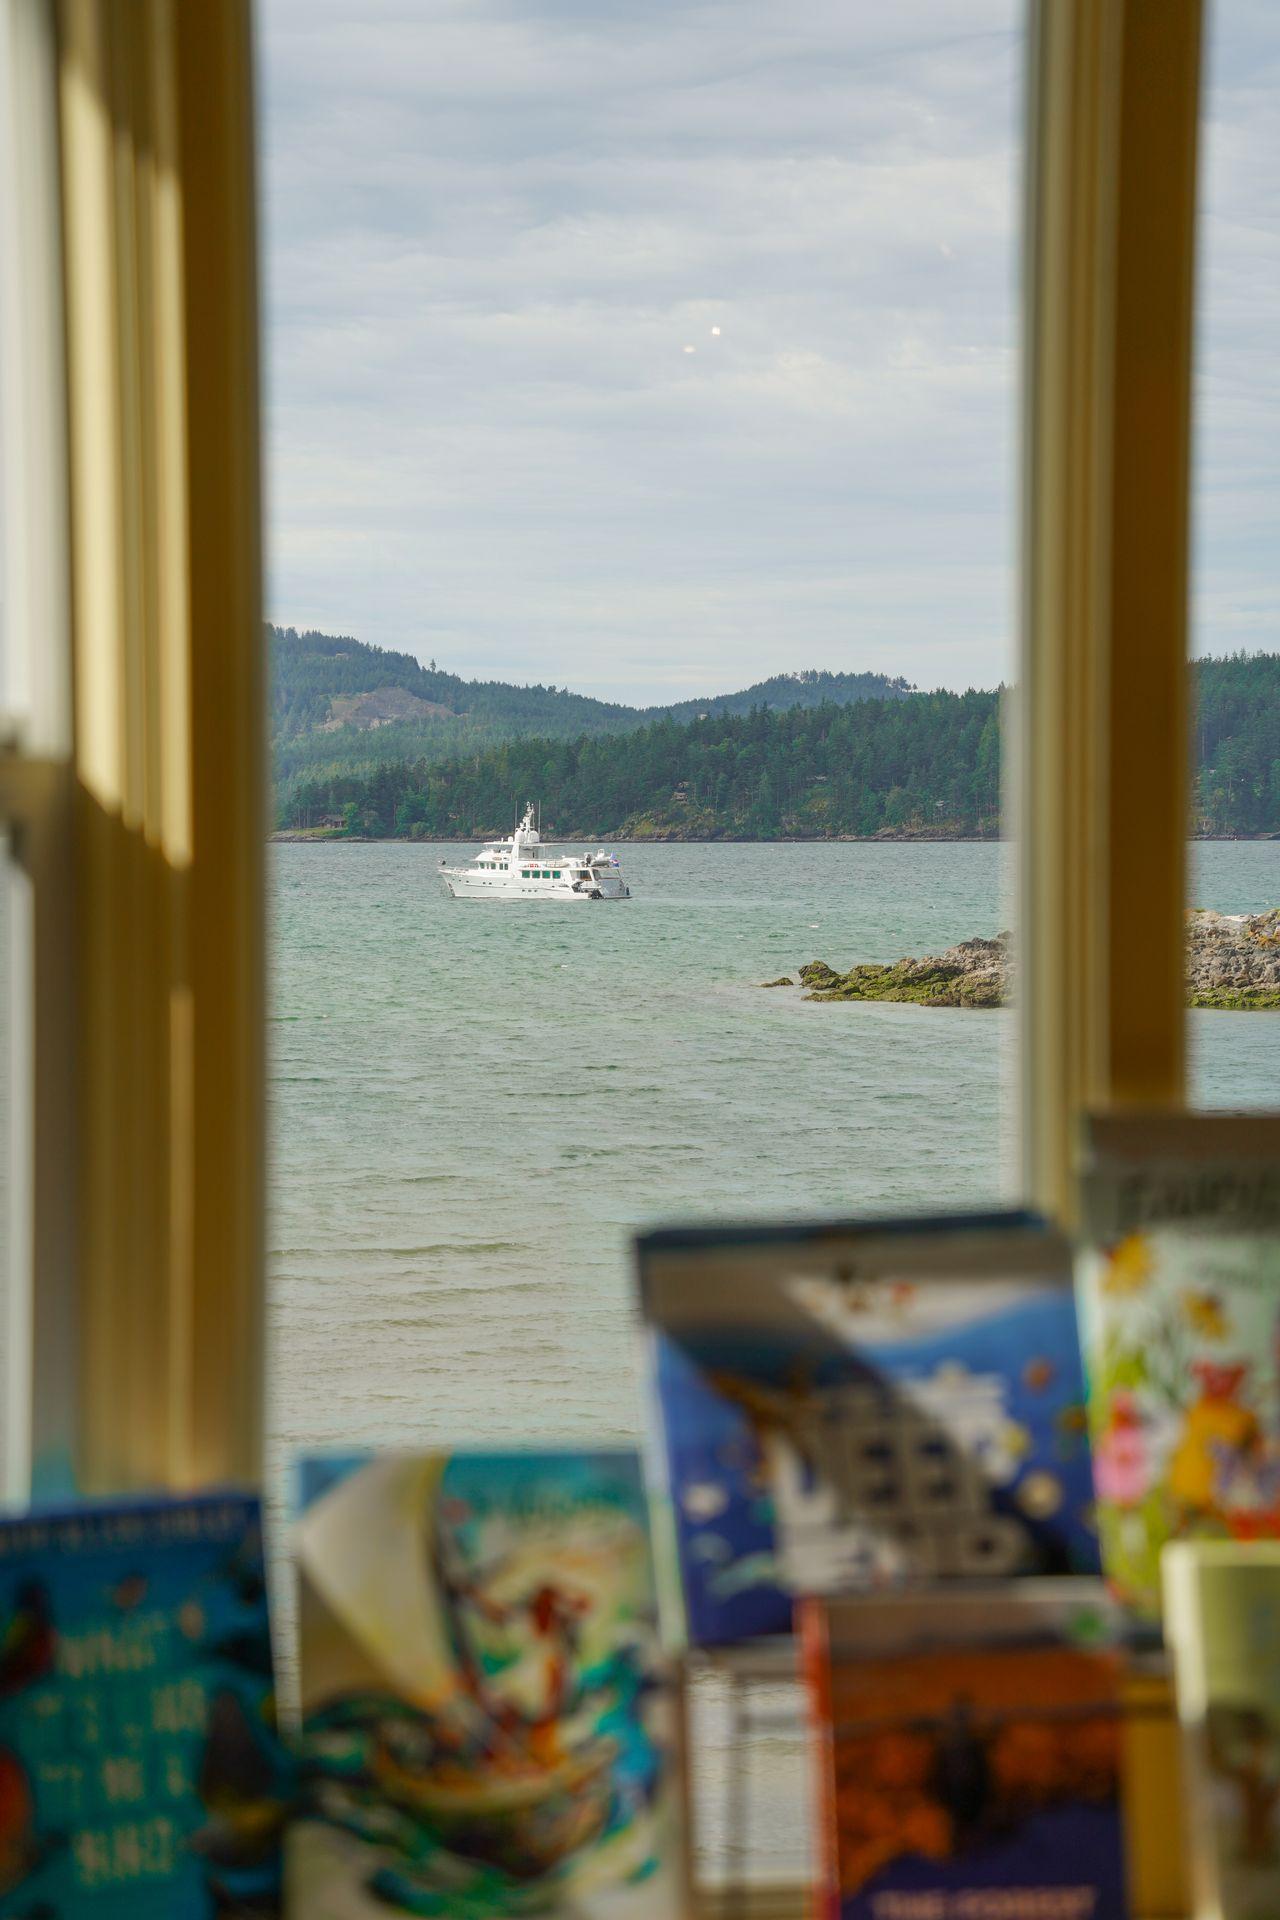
column 134, row 787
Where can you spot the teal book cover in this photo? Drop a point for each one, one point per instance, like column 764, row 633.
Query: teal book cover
column 140, row 1773
column 488, row 1717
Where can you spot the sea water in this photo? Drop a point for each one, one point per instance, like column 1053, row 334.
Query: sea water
column 474, row 1106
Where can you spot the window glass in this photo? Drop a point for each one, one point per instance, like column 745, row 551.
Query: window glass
column 623, row 358
column 1234, row 866
column 642, row 356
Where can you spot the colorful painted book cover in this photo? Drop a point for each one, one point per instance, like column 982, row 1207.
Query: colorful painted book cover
column 1180, row 1312
column 1222, row 1626
column 140, row 1775
column 489, row 1725
column 969, row 1755
column 855, row 1407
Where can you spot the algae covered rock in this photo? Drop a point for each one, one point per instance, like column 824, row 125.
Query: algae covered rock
column 785, row 981
column 1233, row 960
column 818, row 974
column 973, row 974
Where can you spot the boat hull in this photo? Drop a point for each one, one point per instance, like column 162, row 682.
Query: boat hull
column 466, row 886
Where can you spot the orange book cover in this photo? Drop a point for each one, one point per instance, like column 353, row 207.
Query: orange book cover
column 970, row 1775
column 815, row 1667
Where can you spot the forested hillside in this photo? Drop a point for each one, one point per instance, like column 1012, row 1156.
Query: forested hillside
column 317, row 677
column 931, row 758
column 340, row 706
column 1237, row 744
column 916, row 763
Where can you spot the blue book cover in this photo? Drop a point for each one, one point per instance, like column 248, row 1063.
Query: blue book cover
column 140, row 1773
column 858, row 1407
column 489, row 1724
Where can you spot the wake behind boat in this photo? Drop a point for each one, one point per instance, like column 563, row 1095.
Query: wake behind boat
column 523, row 868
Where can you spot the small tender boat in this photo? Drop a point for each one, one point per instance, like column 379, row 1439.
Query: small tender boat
column 523, row 868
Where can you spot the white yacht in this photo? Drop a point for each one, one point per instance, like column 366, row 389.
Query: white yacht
column 523, row 868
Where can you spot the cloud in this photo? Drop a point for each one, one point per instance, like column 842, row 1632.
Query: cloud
column 493, row 227
column 1236, row 500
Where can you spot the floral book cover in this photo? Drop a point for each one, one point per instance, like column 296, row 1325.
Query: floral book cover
column 858, row 1407
column 140, row 1774
column 489, row 1723
column 968, row 1761
column 1179, row 1282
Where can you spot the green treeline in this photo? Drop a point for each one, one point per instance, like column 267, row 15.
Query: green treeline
column 922, row 763
column 932, row 758
column 1236, row 744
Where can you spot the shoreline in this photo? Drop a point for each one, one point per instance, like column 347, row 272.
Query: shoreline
column 323, row 836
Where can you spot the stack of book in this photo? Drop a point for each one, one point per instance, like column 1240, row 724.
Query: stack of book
column 880, row 1432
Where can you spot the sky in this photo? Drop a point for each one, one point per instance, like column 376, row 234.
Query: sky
column 650, row 349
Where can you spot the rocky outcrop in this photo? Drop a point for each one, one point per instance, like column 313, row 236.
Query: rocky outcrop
column 974, row 974
column 1233, row 962
column 785, row 981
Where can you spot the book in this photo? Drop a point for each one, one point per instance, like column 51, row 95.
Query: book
column 1222, row 1626
column 489, row 1723
column 854, row 1406
column 140, row 1773
column 968, row 1751
column 1179, row 1284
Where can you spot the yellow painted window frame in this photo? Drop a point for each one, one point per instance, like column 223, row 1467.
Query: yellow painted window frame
column 139, row 1312
column 1100, row 782
column 1100, row 773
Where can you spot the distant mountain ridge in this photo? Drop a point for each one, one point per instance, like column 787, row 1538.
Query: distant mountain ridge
column 339, row 705
column 926, row 765
column 782, row 692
